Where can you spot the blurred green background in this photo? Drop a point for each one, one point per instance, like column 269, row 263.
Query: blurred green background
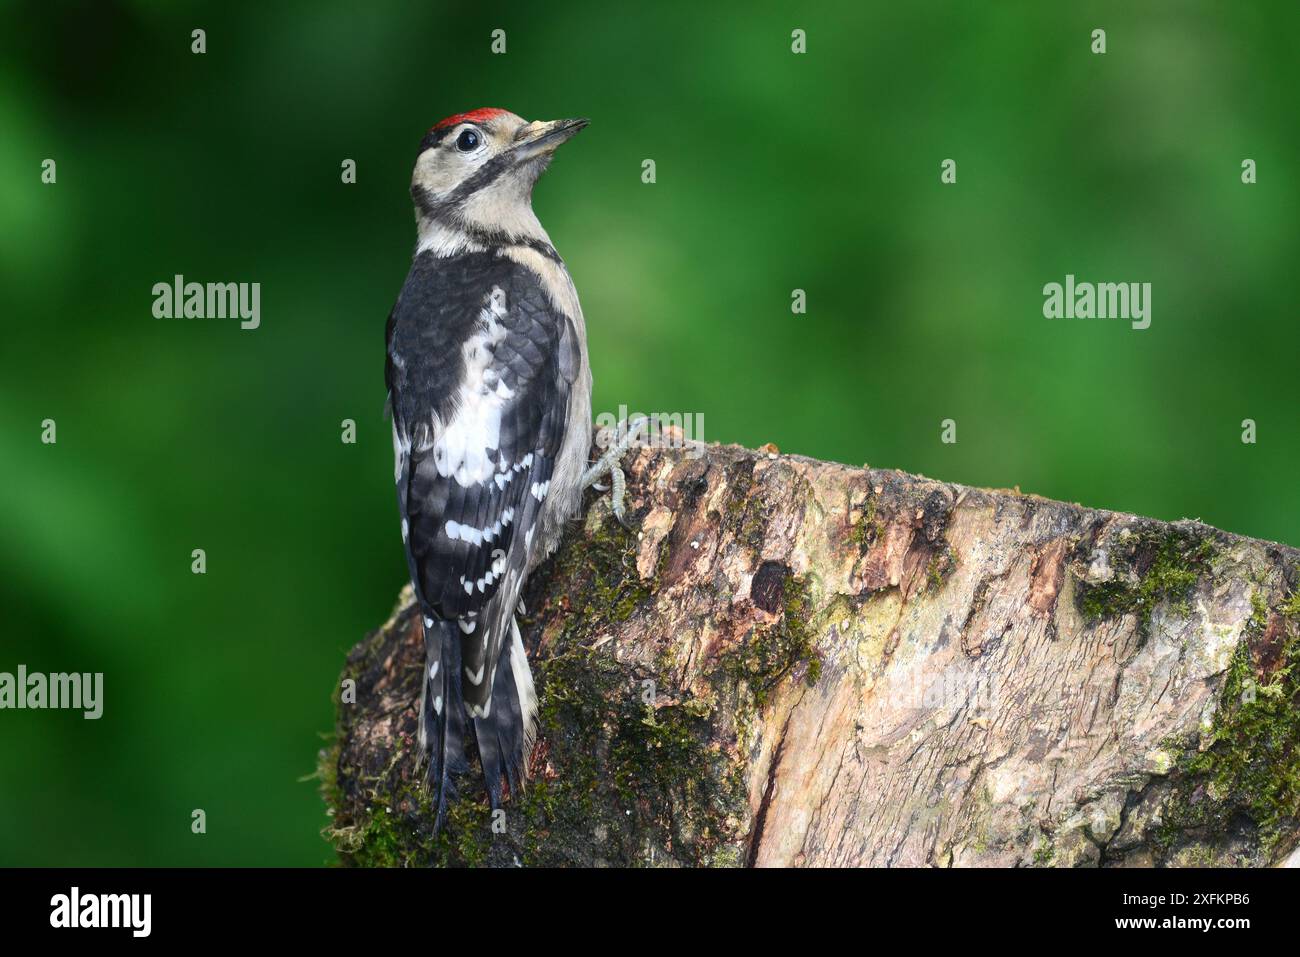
column 775, row 171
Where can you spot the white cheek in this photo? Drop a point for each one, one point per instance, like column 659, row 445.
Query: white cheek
column 439, row 171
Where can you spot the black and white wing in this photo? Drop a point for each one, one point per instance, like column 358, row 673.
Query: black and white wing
column 480, row 365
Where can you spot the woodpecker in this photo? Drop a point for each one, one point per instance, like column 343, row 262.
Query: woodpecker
column 490, row 393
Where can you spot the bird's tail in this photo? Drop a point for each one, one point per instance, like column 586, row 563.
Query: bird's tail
column 505, row 737
column 442, row 712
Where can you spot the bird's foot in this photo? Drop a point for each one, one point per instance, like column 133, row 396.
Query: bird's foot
column 628, row 432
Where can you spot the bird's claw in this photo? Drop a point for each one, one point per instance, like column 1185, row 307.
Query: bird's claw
column 616, row 497
column 608, row 464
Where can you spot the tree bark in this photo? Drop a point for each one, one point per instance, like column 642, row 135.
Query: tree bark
column 792, row 662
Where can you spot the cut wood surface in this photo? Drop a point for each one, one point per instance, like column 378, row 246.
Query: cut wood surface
column 793, row 662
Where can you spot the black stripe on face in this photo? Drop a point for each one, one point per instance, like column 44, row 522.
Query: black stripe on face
column 433, row 138
column 485, row 175
column 429, row 207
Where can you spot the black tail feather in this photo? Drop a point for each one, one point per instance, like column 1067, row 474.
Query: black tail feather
column 504, row 737
column 501, row 736
column 442, row 712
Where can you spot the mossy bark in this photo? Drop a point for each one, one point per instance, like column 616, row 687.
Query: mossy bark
column 797, row 662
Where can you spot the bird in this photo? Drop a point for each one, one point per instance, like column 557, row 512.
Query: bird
column 489, row 389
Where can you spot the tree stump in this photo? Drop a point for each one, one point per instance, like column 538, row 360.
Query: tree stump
column 793, row 662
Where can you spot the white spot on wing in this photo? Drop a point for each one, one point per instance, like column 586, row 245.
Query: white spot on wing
column 468, row 533
column 475, row 430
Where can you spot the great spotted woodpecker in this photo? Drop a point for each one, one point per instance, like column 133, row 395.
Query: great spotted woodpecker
column 490, row 392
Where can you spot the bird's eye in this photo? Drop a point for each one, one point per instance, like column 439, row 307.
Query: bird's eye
column 467, row 140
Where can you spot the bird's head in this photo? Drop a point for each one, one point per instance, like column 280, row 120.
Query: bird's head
column 476, row 170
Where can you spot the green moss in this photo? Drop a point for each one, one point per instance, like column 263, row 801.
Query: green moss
column 396, row 830
column 1251, row 766
column 768, row 655
column 938, row 569
column 605, row 588
column 1044, row 854
column 327, row 773
column 868, row 528
column 635, row 780
column 1167, row 567
column 1258, row 613
column 744, row 514
column 622, row 776
column 327, row 768
column 1291, row 607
